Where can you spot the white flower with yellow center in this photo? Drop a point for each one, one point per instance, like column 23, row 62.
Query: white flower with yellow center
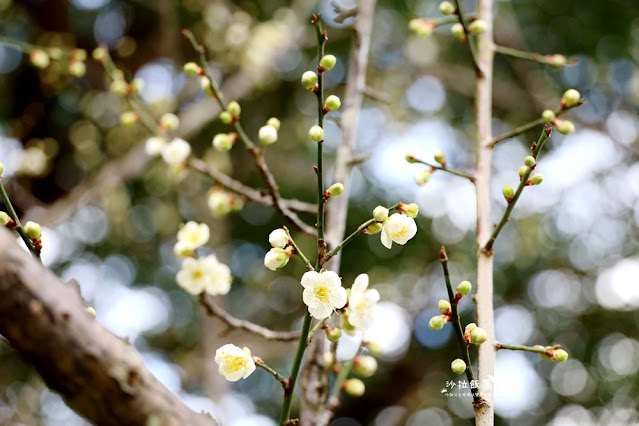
column 323, row 293
column 204, row 275
column 176, row 152
column 193, row 235
column 361, row 303
column 399, row 228
column 235, row 363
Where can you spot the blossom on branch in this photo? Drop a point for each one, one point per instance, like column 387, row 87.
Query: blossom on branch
column 361, row 302
column 323, row 293
column 235, row 363
column 193, row 235
column 206, row 274
column 399, row 228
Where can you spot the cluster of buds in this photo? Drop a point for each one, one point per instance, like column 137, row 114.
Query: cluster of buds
column 363, row 366
column 554, row 354
column 232, row 113
column 422, row 26
column 268, row 133
column 474, row 335
column 422, row 177
column 120, row 87
column 411, row 210
column 221, row 203
column 76, row 67
column 570, row 99
column 439, row 321
column 282, row 249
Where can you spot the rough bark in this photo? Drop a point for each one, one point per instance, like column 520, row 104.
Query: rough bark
column 100, row 376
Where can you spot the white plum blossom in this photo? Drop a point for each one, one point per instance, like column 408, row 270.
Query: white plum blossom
column 399, row 228
column 205, row 274
column 176, row 152
column 276, row 258
column 323, row 293
column 154, row 146
column 235, row 363
column 278, row 238
column 219, row 203
column 361, row 302
column 193, row 235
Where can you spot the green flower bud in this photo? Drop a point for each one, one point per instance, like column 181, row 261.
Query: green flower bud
column 207, row 86
column 329, row 359
column 548, row 115
column 92, row 312
column 411, row 210
column 129, row 118
column 478, row 336
column 100, row 54
column 421, row 178
column 410, row 158
column 556, row 61
column 332, row 103
column 536, row 179
column 470, row 327
column 191, row 68
column 458, row 366
column 273, row 122
column 354, row 387
column 327, row 62
column 477, row 27
column 523, row 170
column 447, row 8
column 380, row 213
column 33, row 230
column 333, row 334
column 560, row 355
column 77, row 68
column 267, row 135
column 564, row 127
column 464, row 288
column 570, row 98
column 437, row 322
column 226, row 117
column 375, row 348
column 421, row 26
column 309, row 80
column 169, row 122
column 530, row 161
column 440, row 157
column 1, row 170
column 444, row 306
column 119, row 87
column 458, row 31
column 335, row 189
column 136, row 85
column 364, row 365
column 39, row 58
column 373, row 229
column 234, row 109
column 5, row 219
column 222, row 142
column 508, row 192
column 316, row 133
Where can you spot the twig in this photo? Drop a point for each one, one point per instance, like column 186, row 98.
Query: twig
column 258, row 361
column 531, row 56
column 545, row 134
column 538, row 349
column 443, row 168
column 319, row 93
column 297, row 363
column 333, row 400
column 215, row 310
column 471, row 44
column 298, row 251
column 18, row 226
column 343, row 13
column 456, row 323
column 320, row 325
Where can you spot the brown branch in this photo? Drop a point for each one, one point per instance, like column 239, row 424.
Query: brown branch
column 100, row 375
column 214, row 310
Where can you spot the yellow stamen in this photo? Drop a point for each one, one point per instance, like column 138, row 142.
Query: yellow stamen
column 401, row 233
column 322, row 294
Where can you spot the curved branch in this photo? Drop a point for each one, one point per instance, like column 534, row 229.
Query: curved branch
column 100, row 375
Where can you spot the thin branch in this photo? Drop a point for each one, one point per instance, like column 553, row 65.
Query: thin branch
column 333, row 400
column 538, row 349
column 459, row 173
column 531, row 56
column 320, row 325
column 545, row 134
column 298, row 251
column 17, row 225
column 319, row 170
column 295, row 369
column 456, row 323
column 471, row 44
column 258, row 361
column 343, row 13
column 213, row 309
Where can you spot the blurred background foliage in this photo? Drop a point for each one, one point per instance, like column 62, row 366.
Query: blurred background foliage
column 566, row 266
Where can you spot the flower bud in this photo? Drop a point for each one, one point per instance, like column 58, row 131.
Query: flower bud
column 458, row 366
column 5, row 219
column 309, row 80
column 92, row 312
column 39, row 58
column 219, row 203
column 440, row 157
column 447, row 8
column 375, row 348
column 235, row 109
column 316, row 133
column 354, row 387
column 508, row 192
column 333, row 334
column 136, row 85
column 206, row 85
column 191, row 68
column 530, row 161
column 564, row 127
column 477, row 27
column 335, row 189
column 267, row 135
column 278, row 238
column 548, row 115
column 273, row 122
column 437, row 322
column 129, row 118
column 226, row 117
column 536, row 179
column 77, row 68
column 421, row 178
column 237, row 203
column 523, row 170
column 421, row 26
column 119, row 87
column 458, row 31
column 556, row 61
column 380, row 213
column 329, row 359
column 33, row 230
column 327, row 62
column 364, row 365
column 100, row 54
column 373, row 229
column 276, row 258
column 570, row 98
column 154, row 146
column 470, row 327
column 169, row 122
column 444, row 306
column 559, row 355
column 411, row 210
column 411, row 158
column 332, row 103
column 464, row 288
column 78, row 55
column 176, row 152
column 222, row 142
column 478, row 336
column 1, row 170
